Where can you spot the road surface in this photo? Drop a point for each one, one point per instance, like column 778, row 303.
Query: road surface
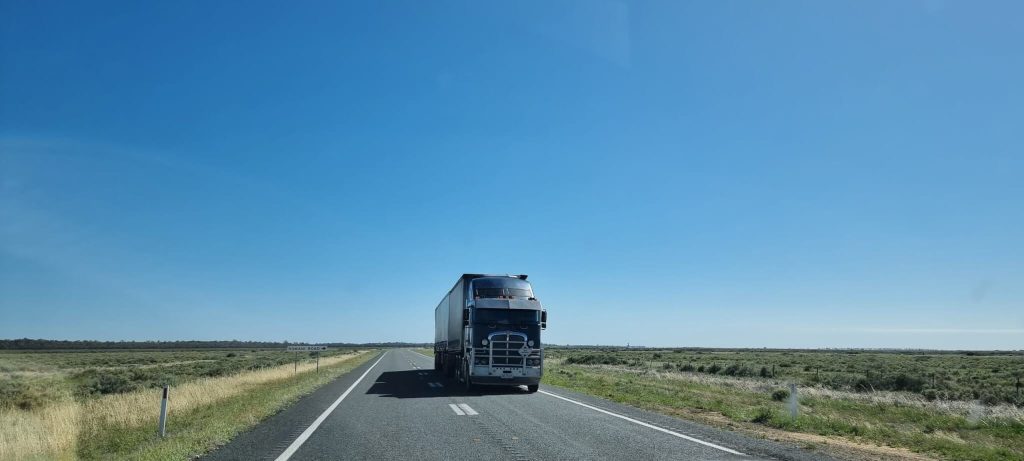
column 395, row 407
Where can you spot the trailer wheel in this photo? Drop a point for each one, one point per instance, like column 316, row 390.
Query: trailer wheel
column 532, row 388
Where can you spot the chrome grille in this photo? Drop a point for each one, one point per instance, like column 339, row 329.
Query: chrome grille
column 504, row 349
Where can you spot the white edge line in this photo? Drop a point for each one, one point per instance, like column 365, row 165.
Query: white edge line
column 288, row 452
column 469, row 410
column 422, row 355
column 456, row 409
column 682, row 436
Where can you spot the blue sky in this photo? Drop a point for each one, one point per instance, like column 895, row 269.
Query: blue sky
column 778, row 174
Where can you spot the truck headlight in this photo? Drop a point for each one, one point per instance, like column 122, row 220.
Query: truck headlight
column 484, row 341
column 481, row 361
column 529, row 343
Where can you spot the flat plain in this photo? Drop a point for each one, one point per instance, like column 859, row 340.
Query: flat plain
column 98, row 404
column 862, row 404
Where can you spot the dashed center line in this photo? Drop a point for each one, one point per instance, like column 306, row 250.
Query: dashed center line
column 462, row 409
column 435, row 385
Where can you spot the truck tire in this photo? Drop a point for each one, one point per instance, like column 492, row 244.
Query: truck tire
column 449, row 367
column 532, row 388
column 466, row 383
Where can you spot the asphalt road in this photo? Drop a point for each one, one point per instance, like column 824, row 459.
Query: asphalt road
column 396, row 407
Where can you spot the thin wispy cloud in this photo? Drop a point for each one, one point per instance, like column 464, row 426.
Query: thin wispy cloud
column 913, row 330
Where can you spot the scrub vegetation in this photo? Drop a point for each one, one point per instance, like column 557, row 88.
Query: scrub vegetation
column 104, row 404
column 946, row 405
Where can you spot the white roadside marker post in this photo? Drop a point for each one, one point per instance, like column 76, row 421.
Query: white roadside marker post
column 163, row 413
column 793, row 403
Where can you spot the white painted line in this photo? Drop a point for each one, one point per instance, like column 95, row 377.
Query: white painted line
column 709, row 444
column 288, row 452
column 456, row 409
column 422, row 355
column 469, row 411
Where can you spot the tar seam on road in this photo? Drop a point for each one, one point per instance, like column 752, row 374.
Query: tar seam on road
column 288, row 452
column 682, row 436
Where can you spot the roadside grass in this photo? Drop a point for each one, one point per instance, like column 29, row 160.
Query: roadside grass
column 202, row 413
column 990, row 377
column 425, row 351
column 925, row 430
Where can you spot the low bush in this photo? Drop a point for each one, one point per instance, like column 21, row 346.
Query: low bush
column 594, row 359
column 102, row 382
column 22, row 395
column 779, row 395
column 763, row 415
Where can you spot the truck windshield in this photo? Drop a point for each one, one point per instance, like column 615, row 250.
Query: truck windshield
column 503, row 293
column 507, row 316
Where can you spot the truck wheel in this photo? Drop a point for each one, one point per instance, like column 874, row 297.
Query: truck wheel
column 532, row 388
column 466, row 383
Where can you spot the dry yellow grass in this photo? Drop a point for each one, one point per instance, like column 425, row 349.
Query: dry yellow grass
column 52, row 432
column 47, row 433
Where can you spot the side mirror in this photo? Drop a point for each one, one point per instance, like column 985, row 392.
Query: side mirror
column 543, row 319
column 465, row 317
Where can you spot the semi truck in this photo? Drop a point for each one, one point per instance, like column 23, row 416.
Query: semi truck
column 487, row 332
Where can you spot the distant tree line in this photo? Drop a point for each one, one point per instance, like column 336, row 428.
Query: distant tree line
column 52, row 344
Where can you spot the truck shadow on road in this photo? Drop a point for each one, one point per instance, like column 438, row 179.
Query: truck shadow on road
column 423, row 384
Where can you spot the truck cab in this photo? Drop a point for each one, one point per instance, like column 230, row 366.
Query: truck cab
column 497, row 337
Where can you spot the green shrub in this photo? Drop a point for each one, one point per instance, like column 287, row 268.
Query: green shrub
column 714, row 368
column 763, row 415
column 22, row 395
column 594, row 359
column 989, row 399
column 779, row 395
column 104, row 382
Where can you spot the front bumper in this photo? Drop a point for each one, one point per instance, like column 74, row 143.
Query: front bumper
column 483, row 374
column 514, row 381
